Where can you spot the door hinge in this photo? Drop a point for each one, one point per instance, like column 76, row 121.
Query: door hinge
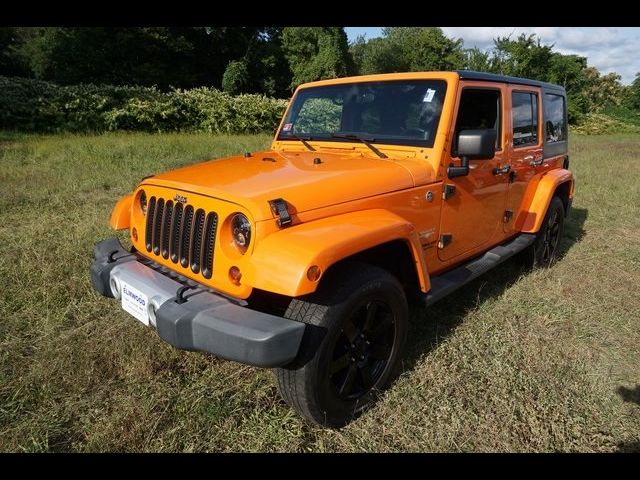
column 445, row 239
column 508, row 215
column 512, row 176
column 448, row 191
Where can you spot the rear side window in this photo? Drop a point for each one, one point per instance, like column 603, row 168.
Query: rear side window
column 555, row 126
column 525, row 118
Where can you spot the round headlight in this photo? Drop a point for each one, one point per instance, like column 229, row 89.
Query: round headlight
column 143, row 202
column 241, row 231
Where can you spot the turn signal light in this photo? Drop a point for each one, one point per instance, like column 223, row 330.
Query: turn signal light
column 235, row 275
column 314, row 272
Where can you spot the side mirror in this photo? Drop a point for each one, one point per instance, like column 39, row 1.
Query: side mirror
column 477, row 144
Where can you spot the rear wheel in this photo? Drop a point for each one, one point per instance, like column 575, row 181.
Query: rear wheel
column 544, row 250
column 352, row 347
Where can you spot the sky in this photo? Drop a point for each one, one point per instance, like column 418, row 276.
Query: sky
column 609, row 49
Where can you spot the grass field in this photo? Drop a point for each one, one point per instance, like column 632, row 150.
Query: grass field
column 547, row 360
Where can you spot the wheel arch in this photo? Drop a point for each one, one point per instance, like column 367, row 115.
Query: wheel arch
column 394, row 256
column 556, row 182
column 280, row 262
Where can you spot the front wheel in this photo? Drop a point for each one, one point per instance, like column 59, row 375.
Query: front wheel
column 357, row 329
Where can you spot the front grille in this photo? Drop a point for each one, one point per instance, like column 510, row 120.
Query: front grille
column 185, row 236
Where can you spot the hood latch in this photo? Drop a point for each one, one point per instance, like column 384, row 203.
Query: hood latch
column 280, row 209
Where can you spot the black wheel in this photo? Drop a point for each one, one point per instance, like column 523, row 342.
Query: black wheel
column 544, row 250
column 352, row 347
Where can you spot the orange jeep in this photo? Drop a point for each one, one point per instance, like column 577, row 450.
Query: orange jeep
column 375, row 189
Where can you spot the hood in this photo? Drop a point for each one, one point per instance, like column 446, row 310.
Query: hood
column 294, row 176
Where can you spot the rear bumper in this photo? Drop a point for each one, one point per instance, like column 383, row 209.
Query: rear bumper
column 203, row 321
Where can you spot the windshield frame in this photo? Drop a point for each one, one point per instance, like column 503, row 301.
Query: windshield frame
column 376, row 138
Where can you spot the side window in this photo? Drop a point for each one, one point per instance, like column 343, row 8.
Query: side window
column 555, row 127
column 525, row 118
column 479, row 108
column 318, row 115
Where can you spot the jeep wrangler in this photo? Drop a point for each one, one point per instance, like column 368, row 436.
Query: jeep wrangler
column 376, row 189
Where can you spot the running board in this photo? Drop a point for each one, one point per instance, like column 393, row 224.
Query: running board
column 443, row 285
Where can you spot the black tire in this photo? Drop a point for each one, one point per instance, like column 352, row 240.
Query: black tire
column 353, row 345
column 544, row 250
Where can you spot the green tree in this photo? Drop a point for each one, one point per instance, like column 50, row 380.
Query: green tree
column 382, row 56
column 478, row 60
column 426, row 48
column 403, row 49
column 316, row 53
column 268, row 67
column 633, row 100
column 602, row 91
column 162, row 56
column 236, row 77
column 524, row 57
column 357, row 50
column 11, row 61
column 527, row 57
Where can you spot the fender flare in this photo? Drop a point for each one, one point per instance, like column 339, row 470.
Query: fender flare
column 281, row 260
column 537, row 209
column 121, row 214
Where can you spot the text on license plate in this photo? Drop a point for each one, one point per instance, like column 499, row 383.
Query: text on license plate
column 135, row 302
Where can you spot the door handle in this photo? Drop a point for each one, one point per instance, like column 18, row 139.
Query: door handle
column 502, row 171
column 532, row 161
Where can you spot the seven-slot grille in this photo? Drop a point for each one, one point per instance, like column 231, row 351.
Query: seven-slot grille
column 179, row 232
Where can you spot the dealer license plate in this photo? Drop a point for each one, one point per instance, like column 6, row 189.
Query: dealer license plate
column 135, row 302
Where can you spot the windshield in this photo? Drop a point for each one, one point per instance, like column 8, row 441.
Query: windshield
column 403, row 112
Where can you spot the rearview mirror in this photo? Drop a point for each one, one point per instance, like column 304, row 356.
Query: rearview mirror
column 479, row 144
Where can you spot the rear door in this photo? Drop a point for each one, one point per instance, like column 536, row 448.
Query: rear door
column 524, row 147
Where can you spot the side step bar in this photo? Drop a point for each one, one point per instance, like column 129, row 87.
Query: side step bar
column 444, row 284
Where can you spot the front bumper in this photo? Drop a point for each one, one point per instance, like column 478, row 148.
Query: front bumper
column 199, row 320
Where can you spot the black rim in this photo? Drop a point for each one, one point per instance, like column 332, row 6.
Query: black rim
column 362, row 350
column 551, row 237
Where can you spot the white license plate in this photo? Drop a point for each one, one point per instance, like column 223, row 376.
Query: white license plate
column 135, row 302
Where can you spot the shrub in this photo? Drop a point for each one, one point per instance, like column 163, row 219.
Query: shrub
column 32, row 105
column 236, row 77
column 600, row 124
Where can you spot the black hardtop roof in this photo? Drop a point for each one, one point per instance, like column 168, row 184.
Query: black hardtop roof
column 492, row 77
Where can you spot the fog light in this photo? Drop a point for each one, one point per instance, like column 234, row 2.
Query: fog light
column 134, row 234
column 235, row 275
column 314, row 273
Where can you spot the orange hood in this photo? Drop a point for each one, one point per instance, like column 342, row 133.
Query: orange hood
column 293, row 176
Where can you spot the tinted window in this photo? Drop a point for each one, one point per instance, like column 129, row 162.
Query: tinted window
column 525, row 118
column 479, row 108
column 554, row 118
column 393, row 112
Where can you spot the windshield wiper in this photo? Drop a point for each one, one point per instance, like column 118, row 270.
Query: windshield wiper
column 304, row 141
column 366, row 141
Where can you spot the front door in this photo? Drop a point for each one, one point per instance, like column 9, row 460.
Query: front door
column 473, row 209
column 525, row 147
